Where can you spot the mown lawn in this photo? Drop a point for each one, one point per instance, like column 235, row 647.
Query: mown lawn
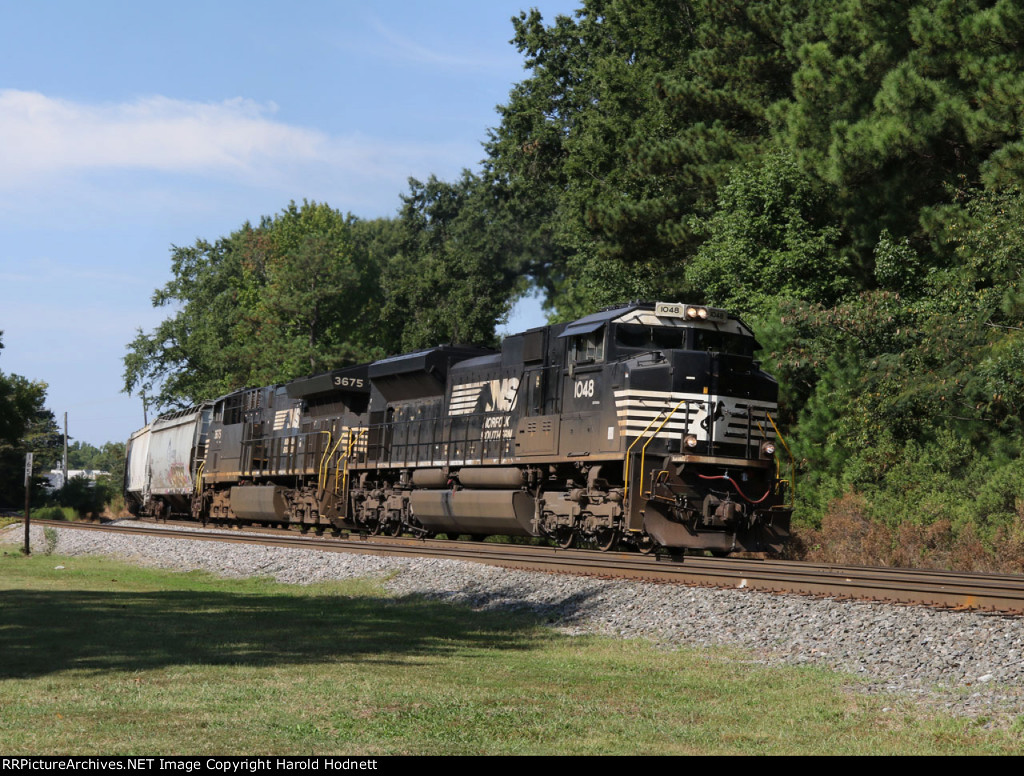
column 99, row 657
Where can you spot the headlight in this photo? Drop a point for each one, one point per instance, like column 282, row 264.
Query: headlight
column 689, row 441
column 767, row 449
column 697, row 313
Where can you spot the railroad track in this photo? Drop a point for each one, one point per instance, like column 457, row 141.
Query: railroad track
column 995, row 593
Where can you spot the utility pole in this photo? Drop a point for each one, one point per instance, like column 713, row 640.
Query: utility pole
column 28, row 483
column 65, row 480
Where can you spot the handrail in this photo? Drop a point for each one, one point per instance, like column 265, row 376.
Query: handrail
column 347, row 455
column 792, row 462
column 353, row 441
column 643, row 450
column 321, row 469
column 625, row 477
column 462, row 432
column 625, row 473
column 330, row 455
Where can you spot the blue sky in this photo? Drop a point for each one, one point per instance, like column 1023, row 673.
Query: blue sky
column 129, row 127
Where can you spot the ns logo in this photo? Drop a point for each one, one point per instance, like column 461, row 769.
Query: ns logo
column 503, row 395
column 484, row 396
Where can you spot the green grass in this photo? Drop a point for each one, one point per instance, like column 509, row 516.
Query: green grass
column 104, row 658
column 54, row 513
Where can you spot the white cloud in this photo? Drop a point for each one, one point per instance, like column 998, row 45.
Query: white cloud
column 40, row 134
column 44, row 137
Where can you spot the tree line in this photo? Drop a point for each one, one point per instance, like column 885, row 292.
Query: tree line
column 845, row 175
column 26, row 425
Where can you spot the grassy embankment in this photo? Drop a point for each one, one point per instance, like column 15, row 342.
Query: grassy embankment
column 41, row 513
column 100, row 657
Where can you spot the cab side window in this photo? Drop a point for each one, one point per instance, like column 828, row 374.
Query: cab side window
column 588, row 348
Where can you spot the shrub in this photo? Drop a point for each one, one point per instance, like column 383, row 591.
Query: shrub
column 83, row 496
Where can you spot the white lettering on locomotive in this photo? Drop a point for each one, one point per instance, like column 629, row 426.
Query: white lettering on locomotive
column 498, row 427
column 348, row 382
column 583, row 388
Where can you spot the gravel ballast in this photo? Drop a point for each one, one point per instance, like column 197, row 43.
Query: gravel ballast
column 962, row 663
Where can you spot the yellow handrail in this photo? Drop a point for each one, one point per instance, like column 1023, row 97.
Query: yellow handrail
column 321, row 469
column 625, row 476
column 792, row 462
column 625, row 489
column 343, row 470
column 337, row 469
column 353, row 440
column 643, row 450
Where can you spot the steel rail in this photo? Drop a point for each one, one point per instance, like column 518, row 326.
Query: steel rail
column 997, row 593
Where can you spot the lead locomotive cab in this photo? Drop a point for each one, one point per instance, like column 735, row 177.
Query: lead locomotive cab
column 667, row 419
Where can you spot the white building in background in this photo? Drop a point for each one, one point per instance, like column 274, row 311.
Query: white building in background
column 55, row 478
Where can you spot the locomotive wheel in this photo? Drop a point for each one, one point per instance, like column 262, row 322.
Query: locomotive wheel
column 646, row 545
column 393, row 528
column 607, row 539
column 376, row 527
column 565, row 537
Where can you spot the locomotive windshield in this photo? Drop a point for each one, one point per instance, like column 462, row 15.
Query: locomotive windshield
column 722, row 342
column 633, row 336
column 640, row 337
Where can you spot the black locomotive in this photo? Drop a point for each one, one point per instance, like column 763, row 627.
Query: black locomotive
column 644, row 424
